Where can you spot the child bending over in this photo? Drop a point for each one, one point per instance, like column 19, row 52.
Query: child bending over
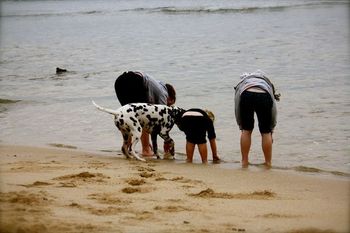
column 196, row 123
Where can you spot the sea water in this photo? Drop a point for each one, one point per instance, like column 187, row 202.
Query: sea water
column 201, row 47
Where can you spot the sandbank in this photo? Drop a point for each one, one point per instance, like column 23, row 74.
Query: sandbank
column 66, row 190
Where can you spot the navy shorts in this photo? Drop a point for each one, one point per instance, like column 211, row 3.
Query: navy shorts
column 129, row 88
column 261, row 104
column 195, row 128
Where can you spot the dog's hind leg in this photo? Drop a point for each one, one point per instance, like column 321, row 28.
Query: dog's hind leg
column 126, row 145
column 134, row 140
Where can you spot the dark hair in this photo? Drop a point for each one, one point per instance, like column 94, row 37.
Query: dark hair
column 171, row 91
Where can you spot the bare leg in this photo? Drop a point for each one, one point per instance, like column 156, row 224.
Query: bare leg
column 246, row 140
column 189, row 151
column 203, row 151
column 146, row 147
column 266, row 143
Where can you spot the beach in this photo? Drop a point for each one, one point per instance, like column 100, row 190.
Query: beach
column 67, row 190
column 61, row 168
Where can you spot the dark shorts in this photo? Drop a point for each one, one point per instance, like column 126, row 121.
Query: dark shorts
column 195, row 128
column 261, row 104
column 129, row 88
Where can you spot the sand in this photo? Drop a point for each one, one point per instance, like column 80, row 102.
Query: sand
column 66, row 190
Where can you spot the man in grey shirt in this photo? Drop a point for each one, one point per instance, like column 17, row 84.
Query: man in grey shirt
column 138, row 87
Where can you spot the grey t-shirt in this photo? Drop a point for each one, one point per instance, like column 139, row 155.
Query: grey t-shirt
column 256, row 79
column 157, row 91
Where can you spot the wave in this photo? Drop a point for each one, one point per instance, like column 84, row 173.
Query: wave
column 92, row 12
column 315, row 170
column 182, row 10
column 223, row 10
column 306, row 169
column 8, row 101
column 179, row 10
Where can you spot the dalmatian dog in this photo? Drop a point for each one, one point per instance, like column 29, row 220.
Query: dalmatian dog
column 130, row 119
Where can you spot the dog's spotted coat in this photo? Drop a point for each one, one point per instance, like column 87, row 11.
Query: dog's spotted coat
column 130, row 119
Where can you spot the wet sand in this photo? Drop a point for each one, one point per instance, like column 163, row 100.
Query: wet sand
column 66, row 190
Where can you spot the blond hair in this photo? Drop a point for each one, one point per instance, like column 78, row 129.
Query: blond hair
column 210, row 114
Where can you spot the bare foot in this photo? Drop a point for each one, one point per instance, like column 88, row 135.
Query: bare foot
column 267, row 165
column 147, row 153
column 245, row 164
column 216, row 159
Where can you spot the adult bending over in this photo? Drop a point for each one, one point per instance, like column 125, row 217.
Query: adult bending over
column 256, row 93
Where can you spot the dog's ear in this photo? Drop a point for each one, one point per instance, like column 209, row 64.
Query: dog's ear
column 178, row 114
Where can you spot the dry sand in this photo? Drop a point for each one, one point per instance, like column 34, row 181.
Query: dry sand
column 61, row 190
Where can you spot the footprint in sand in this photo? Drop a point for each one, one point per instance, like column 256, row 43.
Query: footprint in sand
column 26, row 198
column 274, row 215
column 147, row 174
column 109, row 198
column 181, row 179
column 135, row 182
column 187, row 183
column 173, row 208
column 137, row 189
column 97, row 164
column 144, row 169
column 109, row 210
column 131, row 190
column 30, row 166
column 256, row 195
column 36, row 184
column 81, row 178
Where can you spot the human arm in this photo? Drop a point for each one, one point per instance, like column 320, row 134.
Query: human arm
column 214, row 150
column 212, row 140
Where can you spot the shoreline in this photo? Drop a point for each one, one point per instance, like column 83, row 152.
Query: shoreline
column 64, row 190
column 301, row 169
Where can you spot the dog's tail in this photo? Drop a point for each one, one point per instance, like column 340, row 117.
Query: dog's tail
column 107, row 110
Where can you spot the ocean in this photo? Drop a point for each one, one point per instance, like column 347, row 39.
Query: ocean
column 201, row 47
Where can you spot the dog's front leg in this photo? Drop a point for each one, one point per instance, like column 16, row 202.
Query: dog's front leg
column 169, row 149
column 169, row 145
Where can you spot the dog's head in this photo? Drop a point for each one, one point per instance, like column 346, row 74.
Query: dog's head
column 176, row 113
